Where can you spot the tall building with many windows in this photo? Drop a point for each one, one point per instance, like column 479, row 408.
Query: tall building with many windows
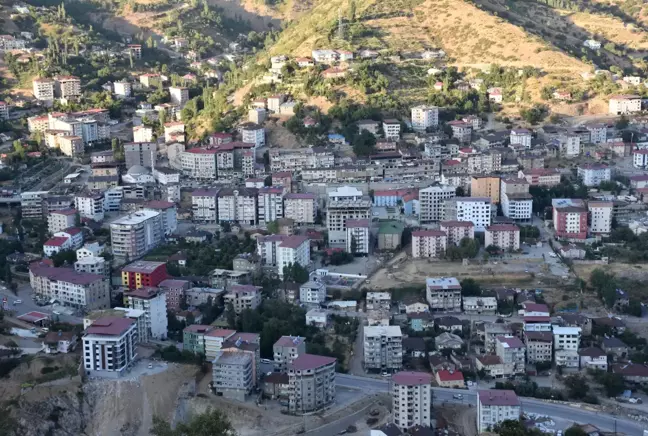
column 311, row 381
column 109, row 346
column 411, row 399
column 495, row 406
column 432, row 200
column 136, row 234
column 383, row 348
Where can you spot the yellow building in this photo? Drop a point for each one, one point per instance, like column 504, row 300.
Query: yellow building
column 485, row 186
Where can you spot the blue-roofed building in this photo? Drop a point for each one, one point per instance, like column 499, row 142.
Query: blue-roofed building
column 336, row 138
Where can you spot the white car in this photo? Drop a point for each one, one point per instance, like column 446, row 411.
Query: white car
column 150, row 366
column 266, row 361
column 17, row 301
column 457, row 397
column 385, row 374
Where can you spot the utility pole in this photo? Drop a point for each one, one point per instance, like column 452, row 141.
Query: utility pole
column 340, row 25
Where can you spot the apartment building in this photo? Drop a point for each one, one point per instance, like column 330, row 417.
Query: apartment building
column 93, row 265
column 391, row 129
column 281, row 251
column 486, row 186
column 624, row 104
column 174, row 131
column 214, row 340
column 286, row 350
column 142, row 134
column 521, row 136
column 539, row 346
column 640, row 158
column 243, row 297
column 122, row 88
column 270, row 203
column 298, row 160
column 512, row 351
column 143, row 273
column 238, row 205
column 140, row 153
column 311, row 383
column 43, row 89
column 253, row 134
column 301, row 207
column 461, row 130
column 569, row 218
column 594, row 358
column 32, row 204
column 457, row 230
column 203, row 163
column 153, row 302
column 516, row 201
column 593, row 174
column 345, row 203
column 479, row 305
column 193, row 338
column 357, row 237
column 541, row 176
column 312, row 292
column 429, row 243
column 61, row 220
column 477, row 210
column 179, row 95
column 566, row 344
column 504, row 236
column 136, row 234
column 232, row 374
column 600, row 217
column 90, row 205
column 109, row 346
column 431, row 202
column 495, row 406
column 424, row 117
column 70, row 288
column 383, row 348
column 411, row 394
column 443, row 294
column 67, row 87
column 204, row 205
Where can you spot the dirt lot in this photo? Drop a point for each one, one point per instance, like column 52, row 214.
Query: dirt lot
column 623, row 270
column 459, row 418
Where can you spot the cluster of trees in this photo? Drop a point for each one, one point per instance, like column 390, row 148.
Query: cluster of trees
column 635, row 247
column 467, row 249
column 606, row 284
column 368, row 79
column 534, row 114
column 543, row 195
column 296, row 273
column 531, row 389
column 312, row 135
column 338, row 258
column 213, row 423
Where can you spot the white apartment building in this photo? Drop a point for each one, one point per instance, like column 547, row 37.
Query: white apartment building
column 594, row 174
column 521, row 136
column 312, row 292
column 383, row 348
column 495, row 406
column 122, row 88
column 238, row 205
column 515, row 199
column 512, row 351
column 204, row 205
column 281, row 250
column 391, row 129
column 243, row 297
column 443, row 294
column 136, row 234
column 60, row 220
column 153, row 302
column 72, row 289
column 142, row 134
column 566, row 344
column 624, row 104
column 411, row 394
column 429, row 243
column 179, row 95
column 457, row 230
column 214, row 341
column 424, row 117
column 345, row 203
column 432, row 200
column 270, row 203
column 477, row 210
column 300, row 207
column 93, row 265
column 286, row 350
column 357, row 237
column 600, row 214
column 570, row 145
column 479, row 305
column 168, row 212
column 598, row 133
column 253, row 134
column 504, row 236
column 43, row 89
column 90, row 249
column 109, row 346
column 640, row 158
column 201, row 163
column 90, row 205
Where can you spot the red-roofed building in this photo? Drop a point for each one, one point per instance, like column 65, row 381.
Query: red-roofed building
column 109, row 346
column 214, row 341
column 281, row 250
column 541, row 176
column 314, row 374
column 143, row 273
column 450, row 379
column 61, row 219
column 457, row 230
column 411, row 393
column 495, row 406
column 429, row 243
column 56, row 244
column 512, row 351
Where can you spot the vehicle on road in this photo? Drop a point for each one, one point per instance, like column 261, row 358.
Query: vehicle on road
column 457, row 397
column 150, row 366
column 385, row 374
column 266, row 361
column 18, row 302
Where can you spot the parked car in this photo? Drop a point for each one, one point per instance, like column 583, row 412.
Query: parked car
column 457, row 397
column 18, row 302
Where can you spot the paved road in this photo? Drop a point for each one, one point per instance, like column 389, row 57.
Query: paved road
column 603, row 421
column 28, row 304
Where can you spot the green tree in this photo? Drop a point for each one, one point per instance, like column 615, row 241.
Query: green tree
column 622, row 123
column 230, row 315
column 354, row 244
column 273, row 227
column 352, row 11
column 211, row 423
column 575, row 431
column 470, row 288
column 577, row 386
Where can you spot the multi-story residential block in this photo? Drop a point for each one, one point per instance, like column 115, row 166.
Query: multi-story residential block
column 593, row 174
column 598, row 133
column 153, row 302
column 536, row 317
column 136, row 234
column 495, row 406
column 522, row 137
column 491, row 331
column 270, row 203
column 640, row 158
column 214, row 340
column 424, row 117
column 253, row 134
column 429, row 243
column 594, row 358
column 378, row 301
column 477, row 210
column 109, row 346
column 73, row 289
column 570, row 144
column 345, row 204
column 122, row 88
column 168, row 212
column 204, row 205
column 411, row 394
column 201, row 163
column 541, row 176
column 461, row 130
column 32, row 204
column 486, row 186
column 357, row 237
column 143, row 273
column 600, row 214
column 238, row 205
column 93, row 265
column 312, row 292
column 566, row 344
column 431, row 202
column 90, row 205
column 512, row 351
column 311, row 381
column 443, row 294
column 457, row 230
column 286, row 350
column 624, row 104
column 43, row 89
column 232, row 374
column 292, row 160
column 539, row 346
column 140, row 153
column 383, row 348
column 4, row 110
column 301, row 207
column 179, row 95
column 516, row 201
column 569, row 218
column 193, row 338
column 479, row 305
column 281, row 251
column 61, row 219
column 243, row 297
column 504, row 236
column 67, row 87
column 142, row 134
column 391, row 129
